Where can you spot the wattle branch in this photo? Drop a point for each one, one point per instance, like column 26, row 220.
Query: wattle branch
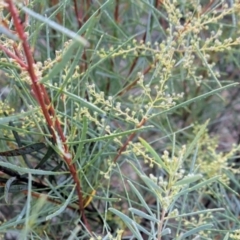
column 42, row 97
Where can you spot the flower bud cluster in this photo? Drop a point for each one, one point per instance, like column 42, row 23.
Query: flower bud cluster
column 110, row 166
column 235, row 235
column 212, row 162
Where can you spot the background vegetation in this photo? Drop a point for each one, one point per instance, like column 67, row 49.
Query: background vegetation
column 129, row 110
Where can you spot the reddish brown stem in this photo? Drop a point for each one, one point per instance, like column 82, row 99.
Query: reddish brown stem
column 13, row 56
column 136, row 58
column 160, row 225
column 46, row 106
column 78, row 13
column 130, row 138
column 17, row 53
column 116, row 12
column 59, row 16
column 146, row 70
column 30, row 62
column 81, row 17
